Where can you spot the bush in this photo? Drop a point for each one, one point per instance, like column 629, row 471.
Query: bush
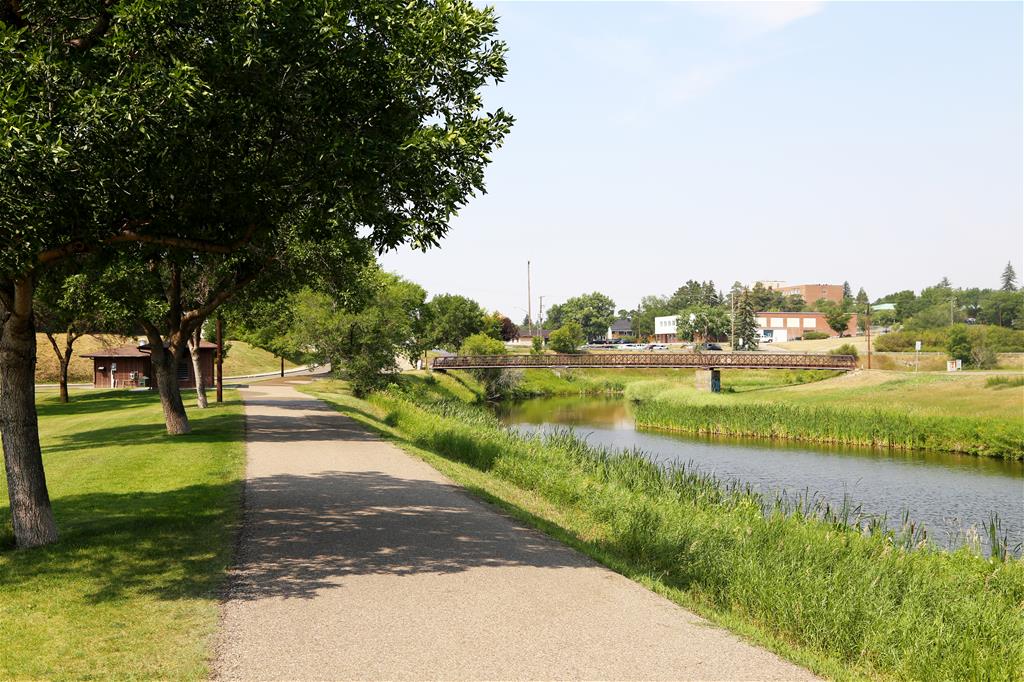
column 496, row 382
column 815, row 336
column 958, row 344
column 567, row 338
column 845, row 349
column 537, row 345
column 983, row 357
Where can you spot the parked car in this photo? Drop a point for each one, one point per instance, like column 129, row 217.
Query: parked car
column 657, row 346
column 710, row 346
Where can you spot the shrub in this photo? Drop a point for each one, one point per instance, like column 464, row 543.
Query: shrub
column 537, row 345
column 958, row 344
column 815, row 336
column 845, row 349
column 567, row 338
column 982, row 356
column 496, row 382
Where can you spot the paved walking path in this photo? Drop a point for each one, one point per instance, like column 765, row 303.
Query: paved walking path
column 358, row 561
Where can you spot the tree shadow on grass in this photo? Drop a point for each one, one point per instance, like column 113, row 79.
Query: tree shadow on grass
column 212, row 428
column 302, row 534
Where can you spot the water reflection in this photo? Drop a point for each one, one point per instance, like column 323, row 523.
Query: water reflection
column 948, row 493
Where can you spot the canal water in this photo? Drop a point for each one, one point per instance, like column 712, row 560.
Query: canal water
column 949, row 494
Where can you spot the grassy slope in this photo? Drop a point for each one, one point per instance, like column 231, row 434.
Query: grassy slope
column 80, row 371
column 847, row 606
column 241, row 358
column 131, row 589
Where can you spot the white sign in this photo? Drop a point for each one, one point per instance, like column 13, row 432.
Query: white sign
column 954, row 365
column 917, row 345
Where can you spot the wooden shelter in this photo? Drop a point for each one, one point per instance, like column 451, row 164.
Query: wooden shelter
column 131, row 367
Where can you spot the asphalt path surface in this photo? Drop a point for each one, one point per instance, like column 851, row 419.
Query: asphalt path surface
column 358, row 561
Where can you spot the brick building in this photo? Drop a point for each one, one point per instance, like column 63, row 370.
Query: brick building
column 787, row 326
column 814, row 292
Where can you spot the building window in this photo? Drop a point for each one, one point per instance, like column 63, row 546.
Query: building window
column 761, row 321
column 778, row 322
column 792, row 321
column 182, row 371
column 811, row 322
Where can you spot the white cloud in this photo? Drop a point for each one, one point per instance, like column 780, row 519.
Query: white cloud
column 747, row 19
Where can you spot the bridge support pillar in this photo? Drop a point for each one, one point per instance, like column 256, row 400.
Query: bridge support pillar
column 709, row 380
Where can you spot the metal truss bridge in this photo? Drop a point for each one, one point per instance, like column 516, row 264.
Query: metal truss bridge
column 711, row 361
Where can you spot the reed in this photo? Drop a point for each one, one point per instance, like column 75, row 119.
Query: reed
column 837, row 587
column 830, row 424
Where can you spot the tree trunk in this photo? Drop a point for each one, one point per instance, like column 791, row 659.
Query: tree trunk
column 64, row 359
column 193, row 348
column 64, row 380
column 31, row 514
column 65, row 363
column 165, row 373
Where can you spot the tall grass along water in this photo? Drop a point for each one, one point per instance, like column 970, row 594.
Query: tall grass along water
column 825, row 578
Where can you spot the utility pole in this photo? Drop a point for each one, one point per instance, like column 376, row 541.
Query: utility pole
column 540, row 318
column 529, row 301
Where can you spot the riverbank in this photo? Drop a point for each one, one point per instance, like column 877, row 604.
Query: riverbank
column 850, row 603
column 146, row 520
column 959, row 413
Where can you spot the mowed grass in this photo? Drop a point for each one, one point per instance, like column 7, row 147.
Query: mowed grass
column 847, row 602
column 146, row 523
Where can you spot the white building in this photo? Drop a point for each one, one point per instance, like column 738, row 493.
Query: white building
column 665, row 329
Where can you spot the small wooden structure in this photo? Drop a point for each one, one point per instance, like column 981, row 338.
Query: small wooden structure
column 132, row 367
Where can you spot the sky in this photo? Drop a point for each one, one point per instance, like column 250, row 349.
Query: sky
column 876, row 143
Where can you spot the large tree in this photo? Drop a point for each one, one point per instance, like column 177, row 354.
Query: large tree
column 239, row 141
column 594, row 312
column 704, row 323
column 452, row 319
column 745, row 336
column 361, row 336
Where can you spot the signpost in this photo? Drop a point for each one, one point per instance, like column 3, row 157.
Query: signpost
column 917, row 355
column 220, row 360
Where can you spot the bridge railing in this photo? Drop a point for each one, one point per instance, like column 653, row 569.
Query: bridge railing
column 653, row 360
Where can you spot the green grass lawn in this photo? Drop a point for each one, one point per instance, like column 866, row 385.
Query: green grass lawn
column 146, row 522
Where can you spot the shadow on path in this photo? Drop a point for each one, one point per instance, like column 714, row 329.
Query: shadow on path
column 306, row 533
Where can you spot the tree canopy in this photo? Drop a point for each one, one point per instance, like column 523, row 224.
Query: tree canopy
column 210, row 147
column 451, row 319
column 594, row 312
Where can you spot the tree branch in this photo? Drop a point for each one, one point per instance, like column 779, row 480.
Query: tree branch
column 99, row 29
column 129, row 236
column 53, row 342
